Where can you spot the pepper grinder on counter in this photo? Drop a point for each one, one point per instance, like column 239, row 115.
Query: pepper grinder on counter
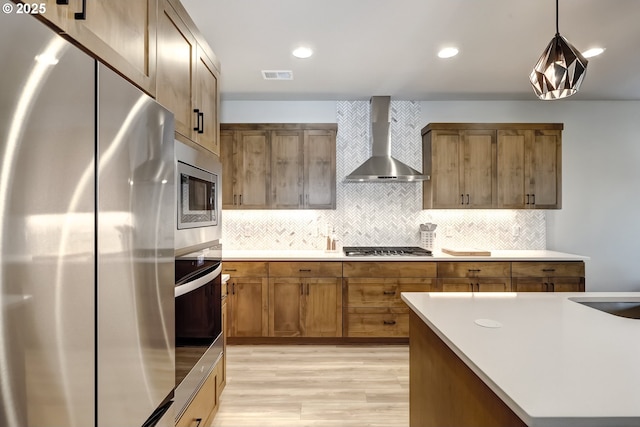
column 331, row 240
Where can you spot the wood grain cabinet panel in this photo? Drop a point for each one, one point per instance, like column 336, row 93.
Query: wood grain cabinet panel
column 529, row 169
column 471, row 276
column 305, row 307
column 493, row 165
column 247, row 298
column 187, row 78
column 372, row 294
column 305, row 269
column 204, row 405
column 548, row 276
column 121, row 34
column 285, row 166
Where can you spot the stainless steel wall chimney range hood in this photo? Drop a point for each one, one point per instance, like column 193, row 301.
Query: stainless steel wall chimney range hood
column 381, row 167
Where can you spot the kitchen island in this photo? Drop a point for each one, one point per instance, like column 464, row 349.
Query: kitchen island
column 514, row 359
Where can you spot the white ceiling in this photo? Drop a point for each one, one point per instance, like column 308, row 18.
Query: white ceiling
column 388, row 47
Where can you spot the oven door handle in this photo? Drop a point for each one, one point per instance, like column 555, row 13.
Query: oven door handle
column 197, row 283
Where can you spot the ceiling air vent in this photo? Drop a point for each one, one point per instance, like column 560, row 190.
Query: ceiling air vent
column 277, row 74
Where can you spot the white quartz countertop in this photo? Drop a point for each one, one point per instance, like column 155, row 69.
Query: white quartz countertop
column 553, row 361
column 318, row 255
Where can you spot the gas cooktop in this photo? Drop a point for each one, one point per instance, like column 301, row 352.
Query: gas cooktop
column 385, row 251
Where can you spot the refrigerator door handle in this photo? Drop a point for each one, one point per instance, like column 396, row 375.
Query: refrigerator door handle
column 197, row 283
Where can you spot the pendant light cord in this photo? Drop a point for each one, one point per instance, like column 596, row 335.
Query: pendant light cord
column 557, row 25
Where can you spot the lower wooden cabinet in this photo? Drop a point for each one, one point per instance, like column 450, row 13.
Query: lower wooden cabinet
column 472, row 276
column 548, row 276
column 248, row 298
column 203, row 407
column 305, row 307
column 374, row 307
column 362, row 299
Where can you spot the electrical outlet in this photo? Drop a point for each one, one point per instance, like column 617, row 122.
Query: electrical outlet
column 448, row 231
column 515, row 231
column 247, row 230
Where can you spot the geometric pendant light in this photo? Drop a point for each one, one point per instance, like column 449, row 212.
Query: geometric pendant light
column 560, row 70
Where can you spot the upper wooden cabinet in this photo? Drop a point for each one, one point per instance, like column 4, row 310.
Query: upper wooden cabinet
column 529, row 168
column 187, row 78
column 279, row 166
column 492, row 165
column 121, row 34
column 246, row 169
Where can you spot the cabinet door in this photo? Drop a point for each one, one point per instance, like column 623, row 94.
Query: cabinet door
column 478, row 166
column 530, row 284
column 323, row 308
column 543, row 175
column 175, row 61
column 566, row 284
column 511, row 167
column 498, row 284
column 250, row 167
column 121, row 34
column 319, row 169
column 207, row 103
column 287, row 169
column 285, row 308
column 249, row 307
column 227, row 157
column 445, row 172
column 456, row 285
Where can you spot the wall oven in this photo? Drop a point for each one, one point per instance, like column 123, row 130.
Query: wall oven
column 198, row 264
column 198, row 325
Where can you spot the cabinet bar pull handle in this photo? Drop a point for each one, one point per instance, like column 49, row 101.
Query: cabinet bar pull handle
column 474, row 270
column 307, row 289
column 389, row 292
column 197, row 111
column 467, row 198
column 234, row 199
column 553, row 287
column 462, row 199
column 233, row 288
column 301, row 289
column 548, row 270
column 533, row 196
column 389, row 322
column 230, row 269
column 82, row 15
column 198, row 421
column 305, row 270
column 300, row 199
column 240, row 200
column 201, row 120
column 306, row 201
column 62, row 1
column 527, row 202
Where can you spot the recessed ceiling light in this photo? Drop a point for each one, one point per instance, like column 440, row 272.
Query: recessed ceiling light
column 302, row 52
column 592, row 52
column 448, row 52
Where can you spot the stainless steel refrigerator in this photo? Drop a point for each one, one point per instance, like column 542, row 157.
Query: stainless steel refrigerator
column 86, row 238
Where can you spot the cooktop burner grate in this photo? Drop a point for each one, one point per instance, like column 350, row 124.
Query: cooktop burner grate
column 385, row 251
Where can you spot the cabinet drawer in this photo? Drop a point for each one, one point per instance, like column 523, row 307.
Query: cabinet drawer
column 364, row 292
column 204, row 402
column 378, row 323
column 548, row 269
column 389, row 269
column 474, row 269
column 305, row 269
column 496, row 284
column 245, row 269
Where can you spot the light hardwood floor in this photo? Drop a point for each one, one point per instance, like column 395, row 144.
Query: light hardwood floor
column 315, row 385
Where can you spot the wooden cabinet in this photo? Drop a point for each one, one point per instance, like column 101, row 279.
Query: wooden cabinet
column 529, row 168
column 187, row 77
column 371, row 291
column 493, row 165
column 305, row 299
column 120, row 34
column 279, row 166
column 462, row 168
column 246, row 168
column 471, row 276
column 548, row 276
column 248, row 300
column 204, row 405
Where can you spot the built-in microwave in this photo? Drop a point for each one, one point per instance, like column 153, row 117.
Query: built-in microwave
column 197, row 202
column 198, row 198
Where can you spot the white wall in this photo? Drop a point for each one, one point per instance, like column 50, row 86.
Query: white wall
column 601, row 153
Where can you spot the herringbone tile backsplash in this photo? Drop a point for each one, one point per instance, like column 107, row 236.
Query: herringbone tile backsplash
column 371, row 214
